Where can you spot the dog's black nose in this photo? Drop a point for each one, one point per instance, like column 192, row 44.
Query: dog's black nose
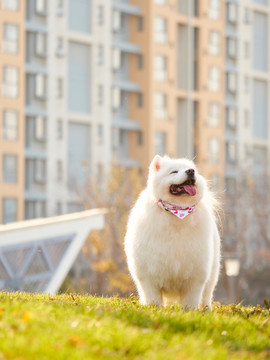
column 190, row 172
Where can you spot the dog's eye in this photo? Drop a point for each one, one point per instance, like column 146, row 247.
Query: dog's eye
column 174, row 172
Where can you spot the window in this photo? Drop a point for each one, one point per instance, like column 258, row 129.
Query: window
column 60, row 7
column 246, row 84
column 160, row 68
column 214, row 115
column 100, row 58
column 59, row 129
column 60, row 52
column 247, row 16
column 9, row 210
column 79, row 78
column 59, row 209
column 231, row 47
column 160, row 142
column 117, row 21
column 10, row 125
column 231, row 117
column 40, row 171
column 10, row 43
column 80, row 15
column 247, row 50
column 160, row 106
column 260, row 109
column 259, row 168
column 100, row 15
column 10, row 82
column 214, row 9
column 231, row 152
column 100, row 94
column 40, row 45
column 40, row 7
column 261, row 2
column 140, row 62
column 10, row 5
column 116, row 59
column 215, row 181
column 246, row 118
column 160, row 29
column 232, row 13
column 35, row 209
column 40, row 128
column 231, row 79
column 79, row 154
column 230, row 184
column 214, row 42
column 40, row 86
column 100, row 134
column 214, row 79
column 115, row 138
column 74, row 207
column 59, row 170
column 140, row 100
column 116, row 98
column 213, row 150
column 59, row 88
column 260, row 48
column 140, row 23
column 139, row 138
column 10, row 169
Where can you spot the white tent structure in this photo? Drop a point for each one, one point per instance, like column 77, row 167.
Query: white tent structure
column 36, row 255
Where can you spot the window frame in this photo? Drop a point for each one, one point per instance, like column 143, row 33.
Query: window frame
column 7, row 171
column 10, row 88
column 10, row 45
column 7, row 128
column 160, row 30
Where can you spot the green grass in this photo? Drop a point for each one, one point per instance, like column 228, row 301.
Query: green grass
column 84, row 327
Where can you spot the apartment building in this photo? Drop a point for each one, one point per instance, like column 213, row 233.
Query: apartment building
column 117, row 81
column 86, row 84
column 247, row 111
column 12, row 94
column 180, row 72
column 68, row 102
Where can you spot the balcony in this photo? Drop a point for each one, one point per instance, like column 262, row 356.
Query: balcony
column 125, row 46
column 31, row 68
column 30, row 195
column 126, row 8
column 32, row 26
column 33, row 111
column 126, row 85
column 128, row 163
column 31, row 153
column 125, row 124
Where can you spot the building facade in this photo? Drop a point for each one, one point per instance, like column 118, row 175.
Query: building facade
column 68, row 102
column 87, row 84
column 12, row 97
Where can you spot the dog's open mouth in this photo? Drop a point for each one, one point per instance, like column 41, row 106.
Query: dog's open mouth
column 188, row 187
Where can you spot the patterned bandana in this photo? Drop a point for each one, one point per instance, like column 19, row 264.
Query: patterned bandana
column 175, row 210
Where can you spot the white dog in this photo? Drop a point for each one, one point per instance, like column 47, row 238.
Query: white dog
column 172, row 241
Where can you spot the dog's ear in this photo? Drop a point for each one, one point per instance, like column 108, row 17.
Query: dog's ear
column 156, row 162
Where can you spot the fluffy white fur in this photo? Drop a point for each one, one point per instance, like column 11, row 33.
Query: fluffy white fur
column 171, row 259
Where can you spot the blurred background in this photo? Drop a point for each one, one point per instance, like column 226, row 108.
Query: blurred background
column 91, row 90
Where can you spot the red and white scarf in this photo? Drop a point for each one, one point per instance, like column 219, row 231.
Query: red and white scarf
column 176, row 210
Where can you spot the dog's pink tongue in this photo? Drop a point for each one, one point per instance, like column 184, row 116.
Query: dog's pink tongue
column 190, row 189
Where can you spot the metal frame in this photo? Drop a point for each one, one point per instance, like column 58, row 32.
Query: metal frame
column 35, row 256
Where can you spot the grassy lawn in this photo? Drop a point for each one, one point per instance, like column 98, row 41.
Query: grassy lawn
column 84, row 327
